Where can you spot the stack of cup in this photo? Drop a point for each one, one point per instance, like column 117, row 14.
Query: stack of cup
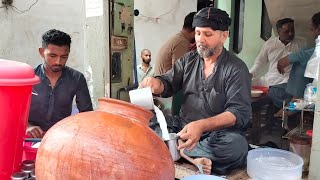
column 27, row 171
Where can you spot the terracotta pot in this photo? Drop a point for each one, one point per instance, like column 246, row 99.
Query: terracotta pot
column 113, row 142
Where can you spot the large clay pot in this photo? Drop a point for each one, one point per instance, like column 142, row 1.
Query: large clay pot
column 113, row 142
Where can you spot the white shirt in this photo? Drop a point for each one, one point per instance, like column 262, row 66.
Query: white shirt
column 141, row 74
column 312, row 69
column 272, row 51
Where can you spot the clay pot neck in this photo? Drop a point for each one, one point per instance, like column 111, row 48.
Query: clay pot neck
column 125, row 109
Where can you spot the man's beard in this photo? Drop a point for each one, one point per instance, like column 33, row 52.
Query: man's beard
column 56, row 68
column 206, row 52
column 146, row 61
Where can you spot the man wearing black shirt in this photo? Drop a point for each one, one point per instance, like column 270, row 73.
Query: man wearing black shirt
column 216, row 97
column 59, row 85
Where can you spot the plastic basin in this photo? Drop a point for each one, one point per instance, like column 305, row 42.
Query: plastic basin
column 274, row 164
column 203, row 177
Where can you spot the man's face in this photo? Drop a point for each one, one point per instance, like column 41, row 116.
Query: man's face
column 146, row 57
column 55, row 57
column 315, row 30
column 209, row 41
column 286, row 32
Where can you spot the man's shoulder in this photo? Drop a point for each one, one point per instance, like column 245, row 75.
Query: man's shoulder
column 271, row 40
column 37, row 68
column 73, row 73
column 235, row 61
column 191, row 55
column 300, row 40
column 176, row 40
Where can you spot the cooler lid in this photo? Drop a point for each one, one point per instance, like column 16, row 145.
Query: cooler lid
column 13, row 73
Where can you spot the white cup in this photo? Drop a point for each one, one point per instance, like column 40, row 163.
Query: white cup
column 142, row 97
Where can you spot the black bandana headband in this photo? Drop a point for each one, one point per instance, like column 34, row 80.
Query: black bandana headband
column 215, row 18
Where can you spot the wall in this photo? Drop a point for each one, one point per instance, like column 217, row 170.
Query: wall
column 289, row 8
column 123, row 13
column 252, row 42
column 150, row 32
column 21, row 33
column 96, row 49
column 21, row 37
column 226, row 6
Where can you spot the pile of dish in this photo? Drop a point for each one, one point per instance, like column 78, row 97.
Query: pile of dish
column 256, row 93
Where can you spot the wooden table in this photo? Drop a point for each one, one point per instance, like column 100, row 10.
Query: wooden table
column 257, row 105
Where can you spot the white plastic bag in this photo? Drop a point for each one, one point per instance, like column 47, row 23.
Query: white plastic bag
column 310, row 93
column 312, row 69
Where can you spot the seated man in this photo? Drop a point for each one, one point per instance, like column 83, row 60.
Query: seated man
column 299, row 60
column 271, row 52
column 59, row 84
column 216, row 89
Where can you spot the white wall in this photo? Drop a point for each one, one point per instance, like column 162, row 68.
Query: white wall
column 21, row 33
column 289, row 8
column 150, row 34
column 20, row 37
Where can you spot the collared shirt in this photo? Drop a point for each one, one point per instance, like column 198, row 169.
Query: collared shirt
column 141, row 74
column 53, row 105
column 297, row 82
column 312, row 69
column 226, row 89
column 170, row 52
column 272, row 51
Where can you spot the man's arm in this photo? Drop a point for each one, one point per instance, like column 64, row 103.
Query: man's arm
column 260, row 63
column 34, row 131
column 169, row 83
column 192, row 131
column 156, row 85
column 83, row 98
column 179, row 51
column 237, row 108
column 301, row 57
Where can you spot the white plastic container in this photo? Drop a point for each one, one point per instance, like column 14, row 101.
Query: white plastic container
column 274, row 164
column 203, row 177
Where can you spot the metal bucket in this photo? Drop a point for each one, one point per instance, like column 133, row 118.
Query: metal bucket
column 172, row 144
column 301, row 146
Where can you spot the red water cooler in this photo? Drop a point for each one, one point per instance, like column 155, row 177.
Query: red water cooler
column 16, row 80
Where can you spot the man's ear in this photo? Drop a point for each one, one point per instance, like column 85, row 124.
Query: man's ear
column 318, row 29
column 41, row 52
column 225, row 35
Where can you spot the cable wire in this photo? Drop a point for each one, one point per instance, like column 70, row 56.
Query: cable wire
column 22, row 11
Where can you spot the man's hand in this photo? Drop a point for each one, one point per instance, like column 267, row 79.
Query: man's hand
column 155, row 84
column 191, row 134
column 35, row 132
column 283, row 63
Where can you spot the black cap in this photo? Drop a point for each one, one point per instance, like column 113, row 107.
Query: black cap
column 212, row 17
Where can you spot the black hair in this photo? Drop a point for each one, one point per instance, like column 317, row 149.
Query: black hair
column 188, row 21
column 143, row 50
column 281, row 22
column 316, row 19
column 55, row 37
